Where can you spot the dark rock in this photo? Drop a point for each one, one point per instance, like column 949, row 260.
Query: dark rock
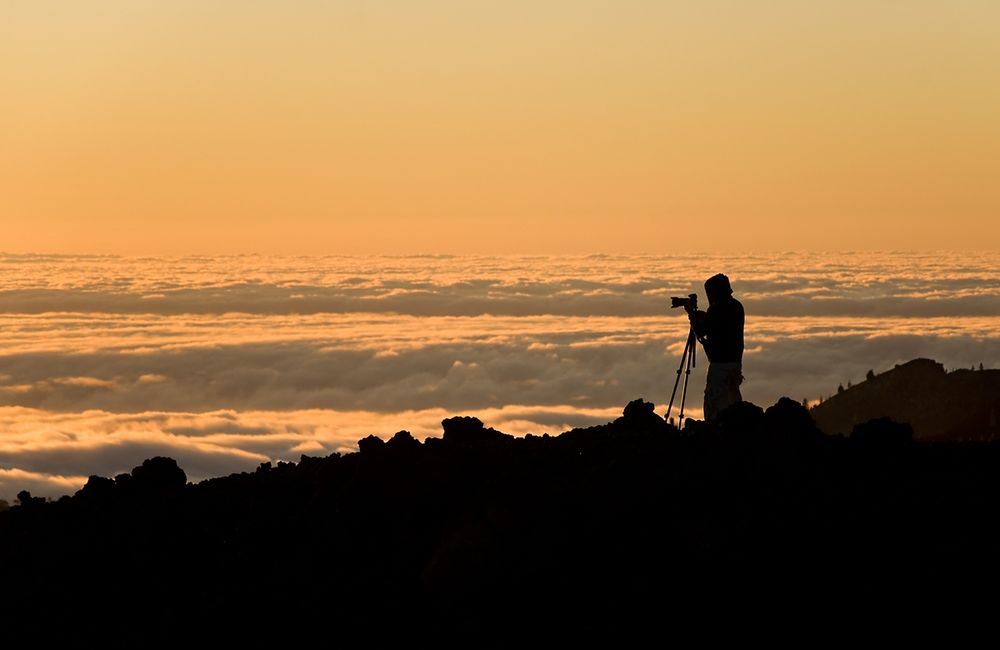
column 403, row 442
column 639, row 416
column 465, row 430
column 461, row 426
column 158, row 474
column 883, row 432
column 25, row 500
column 371, row 444
column 97, row 488
column 694, row 427
column 787, row 423
column 789, row 418
column 639, row 409
column 740, row 418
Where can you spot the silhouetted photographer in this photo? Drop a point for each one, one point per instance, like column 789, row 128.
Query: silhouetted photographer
column 720, row 331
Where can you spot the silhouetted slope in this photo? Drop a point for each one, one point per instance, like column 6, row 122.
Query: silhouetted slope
column 959, row 405
column 609, row 534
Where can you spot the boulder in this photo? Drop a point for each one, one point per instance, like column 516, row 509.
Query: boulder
column 371, row 444
column 403, row 442
column 883, row 432
column 464, row 430
column 158, row 474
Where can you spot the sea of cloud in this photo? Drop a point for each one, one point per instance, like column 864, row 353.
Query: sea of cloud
column 224, row 363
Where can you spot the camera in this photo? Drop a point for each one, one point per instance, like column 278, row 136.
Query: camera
column 689, row 303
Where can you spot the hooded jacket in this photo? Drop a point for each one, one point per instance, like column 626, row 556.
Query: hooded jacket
column 720, row 328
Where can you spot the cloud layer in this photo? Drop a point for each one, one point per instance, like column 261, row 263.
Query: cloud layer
column 780, row 284
column 224, row 363
column 52, row 454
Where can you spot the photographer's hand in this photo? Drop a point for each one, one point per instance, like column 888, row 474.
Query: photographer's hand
column 697, row 318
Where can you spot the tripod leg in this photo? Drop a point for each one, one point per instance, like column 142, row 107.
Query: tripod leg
column 680, row 369
column 687, row 376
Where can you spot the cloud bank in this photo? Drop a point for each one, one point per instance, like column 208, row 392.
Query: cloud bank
column 52, row 454
column 224, row 363
column 781, row 284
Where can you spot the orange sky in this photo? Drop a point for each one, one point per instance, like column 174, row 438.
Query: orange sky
column 191, row 126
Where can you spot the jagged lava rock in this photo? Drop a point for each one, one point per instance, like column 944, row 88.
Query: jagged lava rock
column 884, row 432
column 159, row 474
column 466, row 430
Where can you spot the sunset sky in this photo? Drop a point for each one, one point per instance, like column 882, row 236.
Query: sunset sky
column 221, row 126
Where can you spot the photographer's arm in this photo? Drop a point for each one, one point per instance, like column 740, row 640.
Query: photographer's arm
column 699, row 320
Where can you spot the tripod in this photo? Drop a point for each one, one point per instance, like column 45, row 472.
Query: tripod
column 687, row 362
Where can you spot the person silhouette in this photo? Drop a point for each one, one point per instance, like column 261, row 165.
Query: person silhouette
column 720, row 331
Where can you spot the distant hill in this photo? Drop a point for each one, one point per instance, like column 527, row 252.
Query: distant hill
column 939, row 405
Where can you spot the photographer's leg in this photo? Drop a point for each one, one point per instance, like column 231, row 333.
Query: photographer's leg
column 714, row 392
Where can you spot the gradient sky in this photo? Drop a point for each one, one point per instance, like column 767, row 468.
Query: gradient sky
column 192, row 126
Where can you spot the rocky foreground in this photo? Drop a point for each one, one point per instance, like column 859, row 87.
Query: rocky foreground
column 617, row 533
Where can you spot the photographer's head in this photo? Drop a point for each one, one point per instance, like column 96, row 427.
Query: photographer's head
column 717, row 288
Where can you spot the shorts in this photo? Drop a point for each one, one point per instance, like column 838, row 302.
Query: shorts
column 722, row 387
